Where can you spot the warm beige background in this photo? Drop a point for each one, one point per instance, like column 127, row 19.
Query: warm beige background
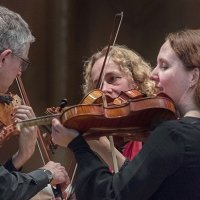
column 69, row 31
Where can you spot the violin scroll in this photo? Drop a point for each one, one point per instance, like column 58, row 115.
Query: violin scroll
column 47, row 135
column 6, row 107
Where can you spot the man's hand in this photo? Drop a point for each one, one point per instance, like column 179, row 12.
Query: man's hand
column 60, row 175
column 27, row 136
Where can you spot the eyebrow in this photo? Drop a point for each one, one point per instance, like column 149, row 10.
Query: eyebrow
column 113, row 73
column 109, row 74
column 162, row 60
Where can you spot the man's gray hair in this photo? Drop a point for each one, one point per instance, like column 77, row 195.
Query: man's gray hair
column 14, row 32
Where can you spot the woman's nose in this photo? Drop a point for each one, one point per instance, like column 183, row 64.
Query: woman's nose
column 154, row 74
column 106, row 87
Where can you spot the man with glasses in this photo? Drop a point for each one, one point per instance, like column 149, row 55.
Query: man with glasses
column 15, row 40
column 24, row 64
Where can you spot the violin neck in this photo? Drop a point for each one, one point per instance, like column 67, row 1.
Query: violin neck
column 43, row 120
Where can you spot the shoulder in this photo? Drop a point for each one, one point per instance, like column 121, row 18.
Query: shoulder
column 168, row 133
column 173, row 126
column 180, row 126
column 166, row 127
column 179, row 132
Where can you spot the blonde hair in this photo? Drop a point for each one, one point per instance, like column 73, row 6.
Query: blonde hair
column 129, row 61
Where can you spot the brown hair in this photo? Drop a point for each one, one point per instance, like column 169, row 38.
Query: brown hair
column 186, row 45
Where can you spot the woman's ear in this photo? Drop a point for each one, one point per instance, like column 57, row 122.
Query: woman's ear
column 4, row 55
column 195, row 77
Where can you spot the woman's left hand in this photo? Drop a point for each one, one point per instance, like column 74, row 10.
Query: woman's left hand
column 61, row 135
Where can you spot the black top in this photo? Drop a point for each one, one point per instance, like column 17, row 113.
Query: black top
column 19, row 186
column 167, row 167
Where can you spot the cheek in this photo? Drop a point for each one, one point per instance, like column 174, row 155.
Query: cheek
column 167, row 80
column 127, row 85
column 119, row 88
column 167, row 84
column 172, row 88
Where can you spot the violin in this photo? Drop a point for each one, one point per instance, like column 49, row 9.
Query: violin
column 7, row 103
column 96, row 97
column 133, row 118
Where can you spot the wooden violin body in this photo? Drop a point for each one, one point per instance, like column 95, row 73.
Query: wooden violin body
column 135, row 117
column 6, row 109
column 96, row 97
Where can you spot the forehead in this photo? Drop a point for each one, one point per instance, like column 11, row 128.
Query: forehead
column 110, row 67
column 166, row 52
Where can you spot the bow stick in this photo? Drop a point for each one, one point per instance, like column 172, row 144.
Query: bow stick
column 57, row 191
column 101, row 78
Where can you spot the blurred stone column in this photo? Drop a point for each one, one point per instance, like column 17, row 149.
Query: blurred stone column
column 58, row 17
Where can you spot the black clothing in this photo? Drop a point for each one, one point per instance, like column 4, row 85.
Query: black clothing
column 9, row 166
column 20, row 186
column 167, row 167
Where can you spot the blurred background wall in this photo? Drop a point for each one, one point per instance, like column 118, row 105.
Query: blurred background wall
column 68, row 31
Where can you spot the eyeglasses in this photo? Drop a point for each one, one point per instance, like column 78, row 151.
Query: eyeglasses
column 25, row 63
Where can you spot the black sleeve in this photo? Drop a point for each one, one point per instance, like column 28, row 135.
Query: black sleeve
column 159, row 157
column 89, row 166
column 9, row 166
column 20, row 186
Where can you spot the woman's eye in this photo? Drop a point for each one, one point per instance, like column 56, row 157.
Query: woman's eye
column 113, row 79
column 164, row 66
